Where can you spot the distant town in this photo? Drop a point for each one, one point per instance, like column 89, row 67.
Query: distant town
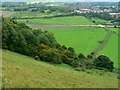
column 96, row 9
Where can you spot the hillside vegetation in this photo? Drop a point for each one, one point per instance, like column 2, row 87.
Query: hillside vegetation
column 20, row 71
column 41, row 45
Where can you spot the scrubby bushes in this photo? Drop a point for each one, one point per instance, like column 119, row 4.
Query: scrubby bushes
column 41, row 45
column 50, row 55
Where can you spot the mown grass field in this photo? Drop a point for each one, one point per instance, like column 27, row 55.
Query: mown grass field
column 71, row 20
column 20, row 71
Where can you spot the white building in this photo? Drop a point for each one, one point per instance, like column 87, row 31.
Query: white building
column 115, row 14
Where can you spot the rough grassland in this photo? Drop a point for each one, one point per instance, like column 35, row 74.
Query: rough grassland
column 71, row 20
column 22, row 71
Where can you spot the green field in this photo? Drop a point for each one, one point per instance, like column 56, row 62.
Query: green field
column 85, row 40
column 114, row 30
column 82, row 39
column 20, row 71
column 98, row 20
column 101, row 20
column 71, row 20
column 111, row 49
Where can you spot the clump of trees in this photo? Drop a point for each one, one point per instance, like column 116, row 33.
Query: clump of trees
column 20, row 38
column 104, row 62
column 42, row 45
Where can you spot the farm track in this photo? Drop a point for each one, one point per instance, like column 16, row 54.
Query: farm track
column 102, row 43
column 62, row 25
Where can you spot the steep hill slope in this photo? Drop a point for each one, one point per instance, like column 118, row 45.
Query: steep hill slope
column 21, row 71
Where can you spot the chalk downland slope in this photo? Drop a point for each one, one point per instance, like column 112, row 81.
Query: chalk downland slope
column 20, row 71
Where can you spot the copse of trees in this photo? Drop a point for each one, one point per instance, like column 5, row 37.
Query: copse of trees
column 104, row 62
column 42, row 45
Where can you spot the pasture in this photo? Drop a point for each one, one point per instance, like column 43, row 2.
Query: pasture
column 69, row 20
column 111, row 49
column 114, row 30
column 98, row 20
column 85, row 40
column 82, row 39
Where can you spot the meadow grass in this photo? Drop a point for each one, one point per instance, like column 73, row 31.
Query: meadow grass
column 69, row 20
column 111, row 49
column 83, row 40
column 20, row 71
column 100, row 20
column 114, row 30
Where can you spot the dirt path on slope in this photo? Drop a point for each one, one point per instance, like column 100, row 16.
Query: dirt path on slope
column 102, row 43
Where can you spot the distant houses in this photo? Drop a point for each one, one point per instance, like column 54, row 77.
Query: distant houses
column 83, row 11
column 115, row 15
column 94, row 9
column 88, row 10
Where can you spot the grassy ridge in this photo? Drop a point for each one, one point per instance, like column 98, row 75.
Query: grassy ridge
column 22, row 71
column 71, row 20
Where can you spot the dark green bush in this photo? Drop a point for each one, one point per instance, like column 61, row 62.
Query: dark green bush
column 104, row 62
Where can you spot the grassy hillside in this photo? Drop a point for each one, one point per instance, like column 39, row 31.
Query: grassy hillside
column 22, row 71
column 71, row 20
